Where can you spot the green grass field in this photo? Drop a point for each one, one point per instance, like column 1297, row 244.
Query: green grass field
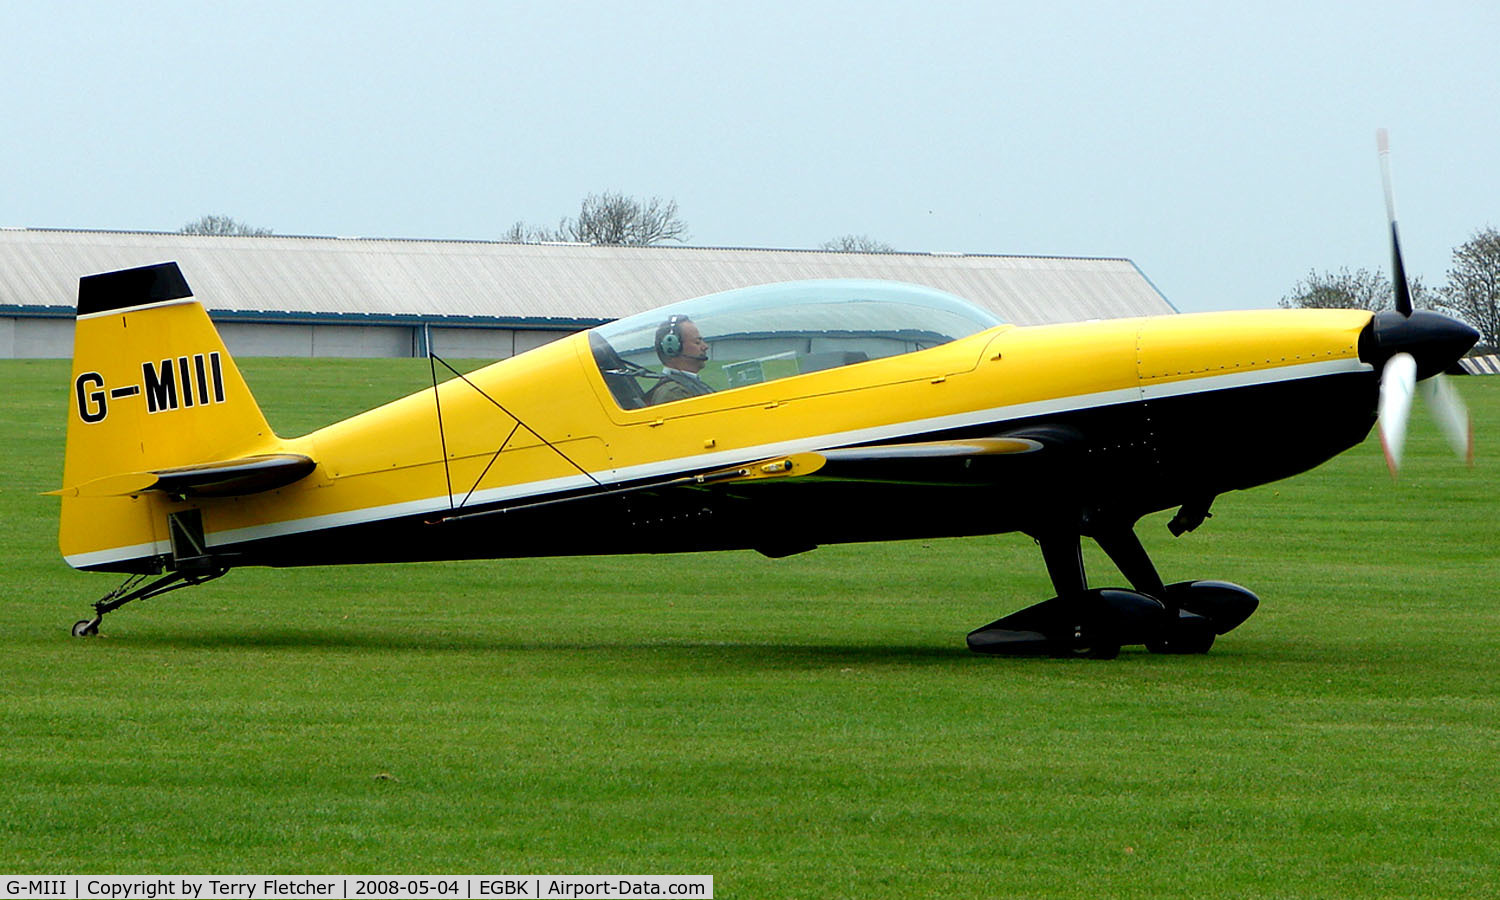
column 806, row 727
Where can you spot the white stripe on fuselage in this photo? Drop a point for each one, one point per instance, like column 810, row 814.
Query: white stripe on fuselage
column 995, row 416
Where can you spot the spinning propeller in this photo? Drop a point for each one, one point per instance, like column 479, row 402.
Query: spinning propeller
column 1416, row 345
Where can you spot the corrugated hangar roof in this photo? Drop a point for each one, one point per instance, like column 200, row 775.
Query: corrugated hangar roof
column 537, row 283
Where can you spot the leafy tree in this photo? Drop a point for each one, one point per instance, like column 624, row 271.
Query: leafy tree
column 611, row 218
column 222, row 225
column 1359, row 289
column 1473, row 290
column 857, row 243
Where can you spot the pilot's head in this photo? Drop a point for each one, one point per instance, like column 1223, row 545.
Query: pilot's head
column 680, row 345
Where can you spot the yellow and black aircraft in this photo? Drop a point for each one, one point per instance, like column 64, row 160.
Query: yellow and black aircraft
column 824, row 412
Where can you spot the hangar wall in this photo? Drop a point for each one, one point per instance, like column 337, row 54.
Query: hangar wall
column 369, row 341
column 32, row 337
column 26, row 337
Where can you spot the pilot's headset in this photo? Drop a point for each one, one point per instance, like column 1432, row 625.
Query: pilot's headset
column 669, row 340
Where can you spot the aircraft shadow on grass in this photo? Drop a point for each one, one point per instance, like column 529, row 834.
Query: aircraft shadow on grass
column 624, row 652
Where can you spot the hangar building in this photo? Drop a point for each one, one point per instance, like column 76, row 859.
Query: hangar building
column 320, row 296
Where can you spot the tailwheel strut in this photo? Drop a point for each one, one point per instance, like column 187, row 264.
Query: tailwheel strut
column 134, row 589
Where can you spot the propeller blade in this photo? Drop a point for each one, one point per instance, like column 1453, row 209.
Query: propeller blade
column 1450, row 414
column 1398, row 268
column 1398, row 382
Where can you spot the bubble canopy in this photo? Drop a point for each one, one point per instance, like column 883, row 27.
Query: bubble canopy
column 773, row 331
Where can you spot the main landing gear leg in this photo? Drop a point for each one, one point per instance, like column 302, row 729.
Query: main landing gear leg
column 1077, row 634
column 1124, row 549
column 133, row 589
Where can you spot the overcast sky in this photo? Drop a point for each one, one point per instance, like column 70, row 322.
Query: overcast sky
column 1225, row 151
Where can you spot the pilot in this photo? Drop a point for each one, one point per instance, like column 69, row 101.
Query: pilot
column 683, row 352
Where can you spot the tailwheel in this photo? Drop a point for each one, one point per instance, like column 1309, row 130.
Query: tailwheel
column 137, row 588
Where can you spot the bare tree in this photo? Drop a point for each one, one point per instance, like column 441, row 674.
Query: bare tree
column 1473, row 290
column 521, row 233
column 611, row 218
column 222, row 225
column 1360, row 289
column 857, row 243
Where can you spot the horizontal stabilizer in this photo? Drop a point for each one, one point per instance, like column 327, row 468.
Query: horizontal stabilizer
column 228, row 478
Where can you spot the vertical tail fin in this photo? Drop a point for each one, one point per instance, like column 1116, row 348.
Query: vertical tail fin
column 153, row 388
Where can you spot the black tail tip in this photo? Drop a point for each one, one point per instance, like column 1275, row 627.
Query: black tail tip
column 131, row 287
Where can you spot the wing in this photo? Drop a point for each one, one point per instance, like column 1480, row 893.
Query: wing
column 948, row 461
column 749, row 502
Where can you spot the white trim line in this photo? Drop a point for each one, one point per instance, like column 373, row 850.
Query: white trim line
column 137, row 308
column 1251, row 378
column 117, row 554
column 391, row 511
